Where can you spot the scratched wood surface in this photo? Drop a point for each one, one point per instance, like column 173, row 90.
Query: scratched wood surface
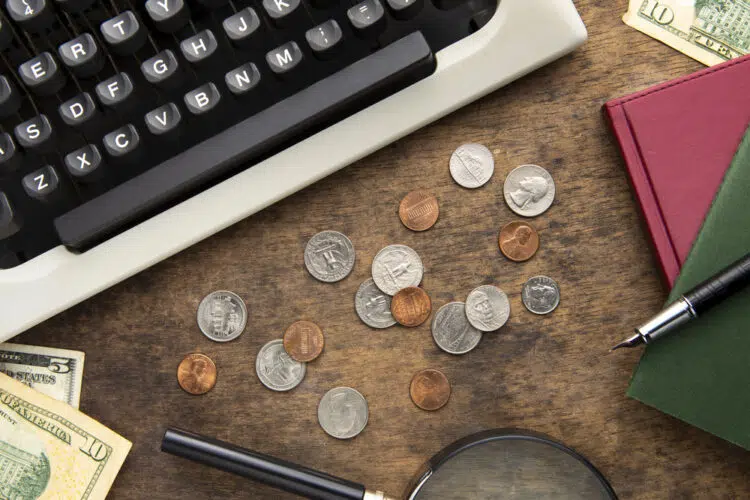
column 550, row 374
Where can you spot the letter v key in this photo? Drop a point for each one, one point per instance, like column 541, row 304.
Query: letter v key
column 163, row 119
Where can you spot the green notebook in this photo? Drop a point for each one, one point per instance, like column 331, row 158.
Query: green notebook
column 701, row 374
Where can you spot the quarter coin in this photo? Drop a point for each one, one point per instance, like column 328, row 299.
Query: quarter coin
column 541, row 295
column 396, row 267
column 303, row 341
column 472, row 165
column 222, row 316
column 343, row 412
column 529, row 190
column 419, row 210
column 411, row 306
column 373, row 306
column 518, row 241
column 487, row 308
column 430, row 389
column 329, row 256
column 196, row 374
column 452, row 331
column 276, row 369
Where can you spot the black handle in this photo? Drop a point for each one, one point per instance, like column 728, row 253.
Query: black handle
column 263, row 468
column 723, row 284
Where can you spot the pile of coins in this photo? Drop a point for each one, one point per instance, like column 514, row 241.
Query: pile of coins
column 222, row 316
column 392, row 295
column 281, row 364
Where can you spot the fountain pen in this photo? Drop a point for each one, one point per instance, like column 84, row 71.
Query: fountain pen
column 695, row 302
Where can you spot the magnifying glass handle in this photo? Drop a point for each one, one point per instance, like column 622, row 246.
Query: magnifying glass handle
column 263, row 468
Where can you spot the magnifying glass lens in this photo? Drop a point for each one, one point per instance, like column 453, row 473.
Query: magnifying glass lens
column 511, row 467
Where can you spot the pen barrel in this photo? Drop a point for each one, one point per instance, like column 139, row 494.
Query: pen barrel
column 259, row 467
column 723, row 284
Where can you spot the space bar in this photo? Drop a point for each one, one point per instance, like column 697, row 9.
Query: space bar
column 381, row 73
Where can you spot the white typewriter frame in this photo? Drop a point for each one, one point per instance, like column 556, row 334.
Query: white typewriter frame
column 522, row 36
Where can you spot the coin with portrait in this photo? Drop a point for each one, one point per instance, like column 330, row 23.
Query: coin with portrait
column 430, row 389
column 196, row 374
column 487, row 308
column 518, row 241
column 529, row 190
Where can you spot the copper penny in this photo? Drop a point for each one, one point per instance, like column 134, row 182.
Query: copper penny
column 196, row 374
column 430, row 389
column 518, row 241
column 411, row 306
column 303, row 341
column 419, row 210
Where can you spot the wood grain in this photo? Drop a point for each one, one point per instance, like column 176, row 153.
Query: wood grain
column 550, row 374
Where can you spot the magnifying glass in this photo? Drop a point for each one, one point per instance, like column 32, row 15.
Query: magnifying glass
column 496, row 464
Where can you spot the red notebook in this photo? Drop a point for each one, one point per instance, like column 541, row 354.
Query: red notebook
column 678, row 139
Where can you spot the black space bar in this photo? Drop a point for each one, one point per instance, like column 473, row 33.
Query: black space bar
column 376, row 76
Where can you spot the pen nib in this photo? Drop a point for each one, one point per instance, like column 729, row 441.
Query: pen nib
column 633, row 341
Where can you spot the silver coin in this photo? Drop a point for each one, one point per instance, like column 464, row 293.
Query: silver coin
column 396, row 267
column 222, row 316
column 373, row 306
column 529, row 190
column 452, row 331
column 541, row 295
column 472, row 165
column 487, row 308
column 343, row 412
column 276, row 369
column 329, row 256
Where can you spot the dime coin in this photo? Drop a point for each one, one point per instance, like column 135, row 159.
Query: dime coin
column 518, row 241
column 303, row 341
column 196, row 374
column 487, row 308
column 222, row 316
column 329, row 256
column 276, row 369
column 419, row 210
column 452, row 331
column 373, row 306
column 472, row 165
column 343, row 412
column 411, row 306
column 430, row 389
column 529, row 190
column 396, row 267
column 540, row 295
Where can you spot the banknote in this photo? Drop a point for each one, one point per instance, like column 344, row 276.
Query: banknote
column 55, row 372
column 49, row 450
column 711, row 31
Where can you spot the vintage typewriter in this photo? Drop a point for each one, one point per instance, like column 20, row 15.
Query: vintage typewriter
column 131, row 130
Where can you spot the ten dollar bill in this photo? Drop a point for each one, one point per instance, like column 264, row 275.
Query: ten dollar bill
column 55, row 372
column 711, row 31
column 49, row 450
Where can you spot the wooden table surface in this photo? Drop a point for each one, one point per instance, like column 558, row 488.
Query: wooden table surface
column 550, row 374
